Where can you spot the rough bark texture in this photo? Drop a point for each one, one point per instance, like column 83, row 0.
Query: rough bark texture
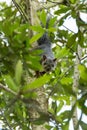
column 29, row 14
column 32, row 7
column 76, row 83
column 43, row 105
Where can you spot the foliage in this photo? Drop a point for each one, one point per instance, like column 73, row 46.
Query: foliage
column 18, row 62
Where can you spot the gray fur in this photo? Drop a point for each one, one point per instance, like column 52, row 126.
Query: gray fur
column 45, row 45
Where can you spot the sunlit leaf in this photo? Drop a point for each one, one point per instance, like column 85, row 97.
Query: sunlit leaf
column 73, row 1
column 66, row 126
column 37, row 29
column 83, row 72
column 63, row 9
column 63, row 52
column 10, row 82
column 52, row 22
column 35, row 37
column 66, row 80
column 52, row 29
column 43, row 18
column 37, row 83
column 18, row 72
column 71, row 40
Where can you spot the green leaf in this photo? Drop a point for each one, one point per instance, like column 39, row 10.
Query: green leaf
column 62, row 53
column 60, row 106
column 35, row 37
column 37, row 28
column 83, row 72
column 52, row 29
column 52, row 22
column 18, row 72
column 80, row 38
column 71, row 40
column 73, row 1
column 66, row 126
column 39, row 121
column 9, row 81
column 39, row 82
column 63, row 9
column 83, row 125
column 43, row 18
column 66, row 80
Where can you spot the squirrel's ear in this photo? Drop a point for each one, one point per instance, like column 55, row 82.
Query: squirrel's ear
column 54, row 59
column 44, row 57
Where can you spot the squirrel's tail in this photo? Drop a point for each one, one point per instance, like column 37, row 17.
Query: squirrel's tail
column 45, row 37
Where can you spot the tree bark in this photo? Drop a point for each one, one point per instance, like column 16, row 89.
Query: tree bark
column 43, row 105
column 76, row 83
column 32, row 7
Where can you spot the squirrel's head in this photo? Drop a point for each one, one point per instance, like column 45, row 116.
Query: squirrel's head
column 48, row 64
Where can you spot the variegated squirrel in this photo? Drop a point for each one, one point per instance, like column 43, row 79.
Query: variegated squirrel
column 48, row 61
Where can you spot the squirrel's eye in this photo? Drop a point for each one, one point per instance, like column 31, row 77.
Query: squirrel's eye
column 52, row 65
column 44, row 63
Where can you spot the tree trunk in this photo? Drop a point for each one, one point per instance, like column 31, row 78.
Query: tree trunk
column 43, row 105
column 32, row 7
column 76, row 83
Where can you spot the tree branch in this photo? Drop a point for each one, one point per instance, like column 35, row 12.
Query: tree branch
column 20, row 10
column 8, row 89
column 76, row 83
column 84, row 58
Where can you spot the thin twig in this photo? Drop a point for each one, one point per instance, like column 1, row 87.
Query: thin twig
column 8, row 89
column 84, row 58
column 20, row 10
column 55, row 2
column 68, row 29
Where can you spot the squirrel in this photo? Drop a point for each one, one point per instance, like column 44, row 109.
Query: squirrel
column 48, row 61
